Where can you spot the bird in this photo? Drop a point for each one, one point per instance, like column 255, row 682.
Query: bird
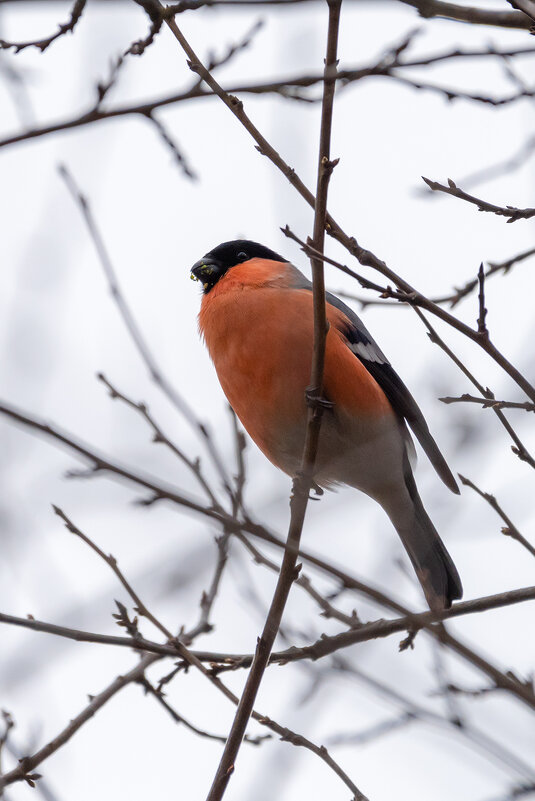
column 256, row 320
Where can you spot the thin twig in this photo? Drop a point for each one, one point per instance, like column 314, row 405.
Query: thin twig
column 527, row 6
column 491, row 403
column 325, row 645
column 475, row 16
column 346, row 580
column 285, row 87
column 160, row 437
column 481, row 320
column 147, row 356
column 177, row 154
column 178, row 718
column 518, row 448
column 513, row 214
column 42, row 44
column 9, row 724
column 510, row 530
column 111, row 561
column 29, row 763
column 327, row 609
column 206, row 604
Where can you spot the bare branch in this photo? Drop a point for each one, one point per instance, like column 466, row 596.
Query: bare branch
column 147, row 356
column 157, row 693
column 159, row 437
column 527, row 6
column 325, row 645
column 167, row 139
column 42, row 44
column 476, row 16
column 510, row 530
column 490, row 403
column 302, row 483
column 384, row 67
column 111, row 561
column 510, row 212
column 28, row 763
column 481, row 320
column 518, row 448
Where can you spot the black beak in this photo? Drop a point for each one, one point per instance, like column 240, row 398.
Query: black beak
column 208, row 271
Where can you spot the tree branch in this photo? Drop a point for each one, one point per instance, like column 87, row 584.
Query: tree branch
column 513, row 214
column 133, row 329
column 510, row 530
column 42, row 44
column 29, row 763
column 302, row 483
column 476, row 16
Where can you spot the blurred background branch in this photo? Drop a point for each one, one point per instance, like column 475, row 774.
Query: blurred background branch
column 67, row 71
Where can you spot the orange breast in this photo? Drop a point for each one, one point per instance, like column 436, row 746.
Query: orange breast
column 259, row 335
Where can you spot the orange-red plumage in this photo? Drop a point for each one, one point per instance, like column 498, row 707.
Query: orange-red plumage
column 257, row 321
column 264, row 369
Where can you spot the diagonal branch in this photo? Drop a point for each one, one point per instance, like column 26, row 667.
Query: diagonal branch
column 27, row 764
column 160, row 437
column 510, row 530
column 364, row 256
column 111, row 561
column 143, row 349
column 527, row 6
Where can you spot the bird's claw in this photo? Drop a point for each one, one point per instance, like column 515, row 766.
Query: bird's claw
column 314, row 399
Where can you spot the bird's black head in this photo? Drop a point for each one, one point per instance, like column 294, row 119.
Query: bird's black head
column 218, row 261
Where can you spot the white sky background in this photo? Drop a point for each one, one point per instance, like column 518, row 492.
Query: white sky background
column 59, row 326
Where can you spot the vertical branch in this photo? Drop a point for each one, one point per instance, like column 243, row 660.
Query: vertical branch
column 303, row 481
column 481, row 320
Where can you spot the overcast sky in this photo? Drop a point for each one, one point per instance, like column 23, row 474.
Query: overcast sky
column 59, row 327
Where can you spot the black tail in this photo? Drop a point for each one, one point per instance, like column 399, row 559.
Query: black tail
column 433, row 564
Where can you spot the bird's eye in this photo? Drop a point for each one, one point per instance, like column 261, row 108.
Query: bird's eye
column 242, row 256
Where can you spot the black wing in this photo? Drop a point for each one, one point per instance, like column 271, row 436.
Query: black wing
column 366, row 349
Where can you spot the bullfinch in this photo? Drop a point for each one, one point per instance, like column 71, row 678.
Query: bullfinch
column 256, row 319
